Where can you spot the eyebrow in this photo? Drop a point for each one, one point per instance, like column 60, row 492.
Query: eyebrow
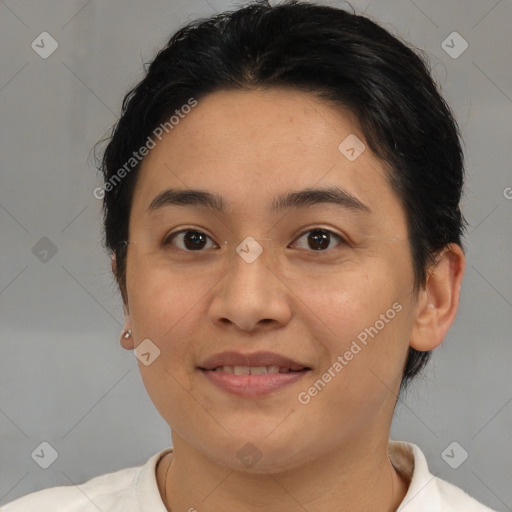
column 298, row 199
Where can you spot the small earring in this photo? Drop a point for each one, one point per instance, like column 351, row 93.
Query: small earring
column 127, row 334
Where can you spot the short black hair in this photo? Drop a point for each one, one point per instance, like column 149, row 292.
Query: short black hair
column 337, row 55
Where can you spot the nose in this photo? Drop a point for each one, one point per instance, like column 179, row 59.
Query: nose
column 251, row 296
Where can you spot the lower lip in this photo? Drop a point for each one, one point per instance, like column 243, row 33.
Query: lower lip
column 252, row 385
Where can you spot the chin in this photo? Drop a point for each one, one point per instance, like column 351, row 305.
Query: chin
column 260, row 456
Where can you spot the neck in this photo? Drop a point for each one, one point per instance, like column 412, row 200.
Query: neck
column 339, row 480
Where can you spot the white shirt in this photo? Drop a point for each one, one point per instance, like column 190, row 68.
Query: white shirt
column 135, row 489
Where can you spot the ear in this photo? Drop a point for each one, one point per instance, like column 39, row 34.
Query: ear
column 113, row 264
column 438, row 300
column 126, row 343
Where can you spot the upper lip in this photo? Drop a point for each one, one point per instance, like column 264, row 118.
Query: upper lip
column 254, row 359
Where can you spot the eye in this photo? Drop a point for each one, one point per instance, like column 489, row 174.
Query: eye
column 193, row 240
column 320, row 239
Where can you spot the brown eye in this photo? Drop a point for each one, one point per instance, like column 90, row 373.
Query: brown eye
column 191, row 240
column 320, row 239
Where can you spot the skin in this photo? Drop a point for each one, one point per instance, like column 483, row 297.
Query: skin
column 306, row 304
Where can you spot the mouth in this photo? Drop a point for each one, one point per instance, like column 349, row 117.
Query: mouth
column 254, row 370
column 256, row 363
column 252, row 375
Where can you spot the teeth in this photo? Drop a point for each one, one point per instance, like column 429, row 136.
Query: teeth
column 252, row 370
column 258, row 370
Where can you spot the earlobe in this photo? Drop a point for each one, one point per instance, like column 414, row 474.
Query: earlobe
column 438, row 300
column 127, row 339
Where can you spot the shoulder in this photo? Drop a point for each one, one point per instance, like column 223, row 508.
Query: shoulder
column 455, row 499
column 112, row 492
column 426, row 491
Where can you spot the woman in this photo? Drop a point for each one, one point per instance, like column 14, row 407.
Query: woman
column 281, row 204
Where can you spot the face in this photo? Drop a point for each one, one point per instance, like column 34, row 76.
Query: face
column 322, row 289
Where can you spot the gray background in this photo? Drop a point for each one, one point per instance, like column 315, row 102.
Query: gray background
column 64, row 378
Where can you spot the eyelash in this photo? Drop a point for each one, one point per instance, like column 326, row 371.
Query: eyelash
column 169, row 238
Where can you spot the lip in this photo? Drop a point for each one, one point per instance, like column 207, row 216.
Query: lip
column 254, row 359
column 251, row 386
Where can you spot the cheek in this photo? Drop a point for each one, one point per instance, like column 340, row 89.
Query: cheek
column 160, row 297
column 163, row 307
column 344, row 303
column 362, row 375
column 363, row 324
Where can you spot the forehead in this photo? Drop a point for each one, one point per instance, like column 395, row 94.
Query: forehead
column 249, row 146
column 270, row 125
